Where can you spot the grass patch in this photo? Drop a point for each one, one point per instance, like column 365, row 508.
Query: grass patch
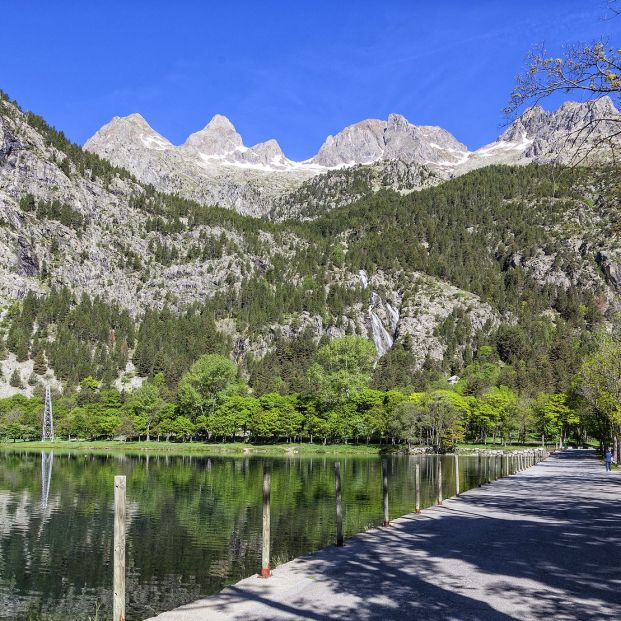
column 196, row 448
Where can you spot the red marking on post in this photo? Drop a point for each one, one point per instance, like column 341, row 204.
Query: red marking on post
column 386, row 523
column 418, row 511
column 265, row 572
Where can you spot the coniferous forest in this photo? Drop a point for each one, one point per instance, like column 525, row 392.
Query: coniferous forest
column 529, row 376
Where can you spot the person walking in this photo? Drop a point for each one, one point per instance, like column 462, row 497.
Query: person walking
column 608, row 459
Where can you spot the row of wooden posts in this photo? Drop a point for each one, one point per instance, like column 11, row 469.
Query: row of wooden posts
column 509, row 464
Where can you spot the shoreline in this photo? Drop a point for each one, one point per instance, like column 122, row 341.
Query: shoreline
column 240, row 449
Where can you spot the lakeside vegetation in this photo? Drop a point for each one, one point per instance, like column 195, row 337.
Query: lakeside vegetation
column 214, row 404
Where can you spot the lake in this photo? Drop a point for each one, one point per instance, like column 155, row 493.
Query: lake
column 194, row 523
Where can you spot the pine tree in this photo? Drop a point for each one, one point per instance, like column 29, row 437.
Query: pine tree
column 16, row 379
column 39, row 363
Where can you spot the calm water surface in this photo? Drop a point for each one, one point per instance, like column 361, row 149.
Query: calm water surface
column 194, row 523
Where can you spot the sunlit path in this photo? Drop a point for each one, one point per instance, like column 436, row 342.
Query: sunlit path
column 543, row 543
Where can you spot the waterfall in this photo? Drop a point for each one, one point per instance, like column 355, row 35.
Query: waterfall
column 364, row 278
column 394, row 315
column 382, row 339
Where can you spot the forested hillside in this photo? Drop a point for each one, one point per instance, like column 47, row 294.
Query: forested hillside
column 502, row 277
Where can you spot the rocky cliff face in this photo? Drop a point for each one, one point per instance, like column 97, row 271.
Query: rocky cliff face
column 396, row 139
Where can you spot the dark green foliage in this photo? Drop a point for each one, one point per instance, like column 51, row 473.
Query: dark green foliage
column 22, row 321
column 39, row 364
column 285, row 368
column 169, row 343
column 27, row 203
column 461, row 223
column 90, row 336
column 397, row 369
column 55, row 210
column 16, row 379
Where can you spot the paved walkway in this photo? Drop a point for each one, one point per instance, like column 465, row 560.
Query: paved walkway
column 541, row 544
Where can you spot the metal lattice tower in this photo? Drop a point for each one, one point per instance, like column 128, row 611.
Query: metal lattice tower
column 48, row 419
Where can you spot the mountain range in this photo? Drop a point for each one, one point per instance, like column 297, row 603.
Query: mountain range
column 392, row 230
column 214, row 166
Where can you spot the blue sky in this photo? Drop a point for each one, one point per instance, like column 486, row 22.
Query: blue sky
column 287, row 70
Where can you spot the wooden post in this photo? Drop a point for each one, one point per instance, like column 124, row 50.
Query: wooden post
column 440, row 480
column 118, row 605
column 417, row 488
column 385, row 490
column 502, row 465
column 456, row 474
column 488, row 468
column 265, row 557
column 339, row 510
column 479, row 468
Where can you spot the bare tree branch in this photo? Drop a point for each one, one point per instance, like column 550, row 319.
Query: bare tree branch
column 591, row 69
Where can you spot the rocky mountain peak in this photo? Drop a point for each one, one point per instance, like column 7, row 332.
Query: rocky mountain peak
column 214, row 165
column 266, row 153
column 395, row 139
column 218, row 138
column 220, row 122
column 359, row 143
column 397, row 122
column 570, row 116
column 124, row 132
column 421, row 144
column 134, row 118
column 600, row 107
column 571, row 133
